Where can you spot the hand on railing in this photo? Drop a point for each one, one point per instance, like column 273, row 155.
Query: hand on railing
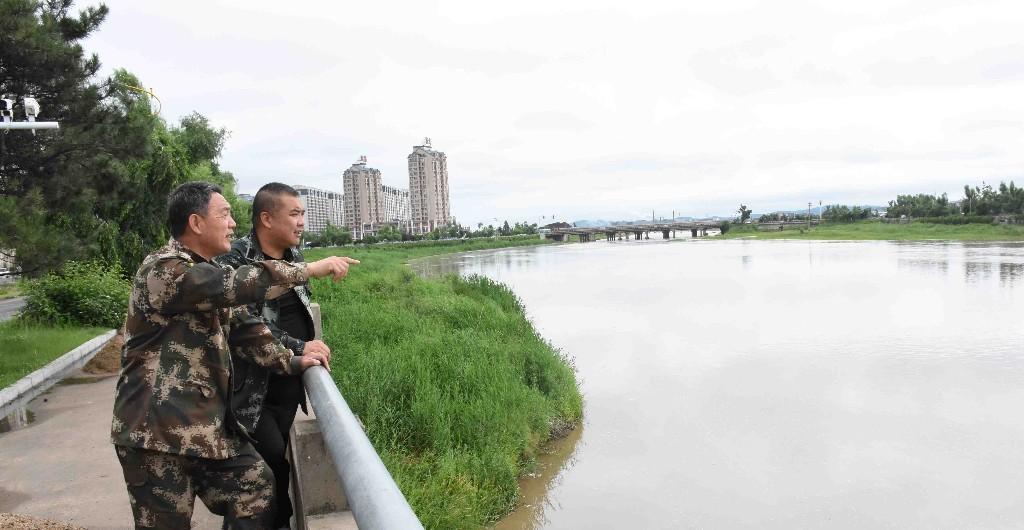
column 314, row 359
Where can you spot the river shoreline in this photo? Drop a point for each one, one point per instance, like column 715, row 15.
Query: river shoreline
column 878, row 231
column 458, row 391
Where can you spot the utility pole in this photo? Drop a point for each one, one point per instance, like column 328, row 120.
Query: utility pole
column 808, row 215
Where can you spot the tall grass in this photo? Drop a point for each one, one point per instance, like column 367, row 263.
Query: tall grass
column 456, row 389
column 27, row 347
column 874, row 230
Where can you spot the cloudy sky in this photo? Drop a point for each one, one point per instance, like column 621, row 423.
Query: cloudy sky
column 595, row 109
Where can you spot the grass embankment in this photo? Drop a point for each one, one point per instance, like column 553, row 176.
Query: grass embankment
column 25, row 347
column 456, row 389
column 10, row 290
column 874, row 230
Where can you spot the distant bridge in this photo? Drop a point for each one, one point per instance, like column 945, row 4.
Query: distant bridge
column 668, row 230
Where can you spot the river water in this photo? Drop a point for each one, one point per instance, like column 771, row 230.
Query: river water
column 778, row 384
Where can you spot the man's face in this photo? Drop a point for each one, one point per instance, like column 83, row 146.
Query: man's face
column 218, row 227
column 287, row 221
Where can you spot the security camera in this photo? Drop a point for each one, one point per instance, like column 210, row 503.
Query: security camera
column 6, row 109
column 31, row 108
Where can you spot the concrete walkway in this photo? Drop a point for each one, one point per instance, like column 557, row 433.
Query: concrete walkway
column 10, row 307
column 63, row 467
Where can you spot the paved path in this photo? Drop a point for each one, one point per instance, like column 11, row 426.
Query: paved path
column 10, row 306
column 63, row 466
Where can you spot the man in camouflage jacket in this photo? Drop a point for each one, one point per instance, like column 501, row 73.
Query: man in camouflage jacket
column 265, row 402
column 173, row 427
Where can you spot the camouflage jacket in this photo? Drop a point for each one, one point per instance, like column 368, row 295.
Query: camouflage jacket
column 250, row 387
column 185, row 317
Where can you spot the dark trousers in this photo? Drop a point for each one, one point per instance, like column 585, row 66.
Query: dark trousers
column 271, row 437
column 163, row 487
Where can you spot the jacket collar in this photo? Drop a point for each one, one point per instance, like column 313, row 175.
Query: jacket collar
column 179, row 248
column 253, row 250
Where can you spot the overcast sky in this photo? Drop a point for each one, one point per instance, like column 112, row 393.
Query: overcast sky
column 593, row 109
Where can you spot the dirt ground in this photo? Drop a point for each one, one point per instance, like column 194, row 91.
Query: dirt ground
column 108, row 359
column 13, row 521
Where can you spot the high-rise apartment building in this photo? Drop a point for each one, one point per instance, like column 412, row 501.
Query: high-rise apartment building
column 322, row 207
column 395, row 206
column 362, row 187
column 428, row 188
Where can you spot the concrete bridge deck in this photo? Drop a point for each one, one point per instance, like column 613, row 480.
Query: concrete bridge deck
column 637, row 231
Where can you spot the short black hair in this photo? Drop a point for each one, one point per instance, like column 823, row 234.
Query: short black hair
column 187, row 199
column 266, row 199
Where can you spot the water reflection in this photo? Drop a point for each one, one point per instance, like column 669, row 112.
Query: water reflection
column 535, row 500
column 977, row 271
column 1009, row 273
column 780, row 384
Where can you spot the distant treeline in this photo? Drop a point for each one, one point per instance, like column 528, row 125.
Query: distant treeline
column 979, row 205
column 984, row 200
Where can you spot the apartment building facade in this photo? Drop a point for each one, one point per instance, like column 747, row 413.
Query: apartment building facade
column 323, row 207
column 362, row 185
column 395, row 206
column 428, row 189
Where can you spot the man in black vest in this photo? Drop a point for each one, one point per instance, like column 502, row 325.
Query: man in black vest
column 266, row 402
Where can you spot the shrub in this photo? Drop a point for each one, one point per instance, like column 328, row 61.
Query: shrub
column 80, row 294
column 956, row 219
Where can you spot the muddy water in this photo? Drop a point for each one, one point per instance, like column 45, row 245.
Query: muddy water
column 779, row 384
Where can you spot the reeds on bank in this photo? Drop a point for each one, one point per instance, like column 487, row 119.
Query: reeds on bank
column 457, row 391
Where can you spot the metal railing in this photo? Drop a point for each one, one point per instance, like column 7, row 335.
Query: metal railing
column 374, row 498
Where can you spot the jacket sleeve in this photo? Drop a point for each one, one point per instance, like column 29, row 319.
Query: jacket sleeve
column 177, row 286
column 251, row 338
column 290, row 342
column 234, row 259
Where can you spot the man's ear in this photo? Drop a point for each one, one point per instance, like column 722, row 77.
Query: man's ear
column 265, row 219
column 196, row 223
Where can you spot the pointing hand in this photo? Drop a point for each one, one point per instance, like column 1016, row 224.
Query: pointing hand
column 334, row 266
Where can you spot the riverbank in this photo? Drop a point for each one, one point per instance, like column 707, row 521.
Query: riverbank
column 875, row 230
column 456, row 389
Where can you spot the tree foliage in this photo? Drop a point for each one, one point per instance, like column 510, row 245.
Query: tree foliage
column 1007, row 199
column 329, row 237
column 96, row 188
column 845, row 214
column 921, row 205
column 744, row 213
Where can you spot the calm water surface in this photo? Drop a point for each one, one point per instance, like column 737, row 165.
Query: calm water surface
column 779, row 384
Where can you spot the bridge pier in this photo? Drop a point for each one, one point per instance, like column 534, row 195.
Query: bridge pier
column 610, row 236
column 664, row 234
column 693, row 232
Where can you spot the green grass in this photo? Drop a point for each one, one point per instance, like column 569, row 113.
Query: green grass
column 10, row 290
column 875, row 230
column 456, row 389
column 25, row 347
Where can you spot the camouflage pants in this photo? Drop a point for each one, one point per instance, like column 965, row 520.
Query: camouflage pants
column 163, row 487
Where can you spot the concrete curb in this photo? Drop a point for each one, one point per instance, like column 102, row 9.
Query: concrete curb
column 25, row 389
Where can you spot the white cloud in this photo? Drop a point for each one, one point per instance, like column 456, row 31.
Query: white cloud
column 598, row 108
